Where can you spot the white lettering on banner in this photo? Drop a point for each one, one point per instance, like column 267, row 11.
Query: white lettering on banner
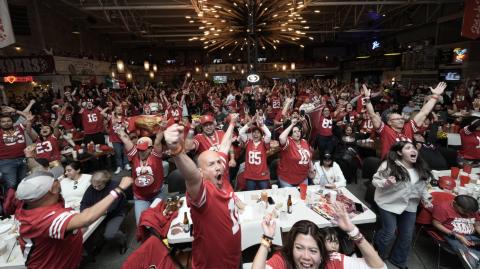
column 464, row 225
column 254, row 157
column 305, row 156
column 92, row 117
column 43, row 147
column 233, row 215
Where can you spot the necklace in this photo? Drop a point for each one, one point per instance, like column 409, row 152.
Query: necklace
column 215, row 138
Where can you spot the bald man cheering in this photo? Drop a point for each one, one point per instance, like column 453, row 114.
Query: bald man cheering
column 217, row 236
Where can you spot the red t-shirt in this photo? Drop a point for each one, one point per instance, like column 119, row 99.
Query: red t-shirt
column 360, row 103
column 203, row 142
column 470, row 144
column 256, row 167
column 44, row 239
column 12, row 143
column 172, row 113
column 67, row 121
column 388, row 136
column 452, row 220
column 294, row 161
column 217, row 234
column 148, row 175
column 48, row 149
column 92, row 120
column 276, row 103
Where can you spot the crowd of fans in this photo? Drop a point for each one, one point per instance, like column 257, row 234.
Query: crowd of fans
column 223, row 138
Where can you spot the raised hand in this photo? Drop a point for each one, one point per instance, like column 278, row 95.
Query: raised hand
column 268, row 225
column 366, row 91
column 343, row 220
column 439, row 89
column 174, row 136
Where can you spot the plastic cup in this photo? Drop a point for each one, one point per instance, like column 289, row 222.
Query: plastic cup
column 464, row 180
column 454, row 172
column 303, row 191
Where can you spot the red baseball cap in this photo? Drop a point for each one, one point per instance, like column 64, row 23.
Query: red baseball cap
column 206, row 119
column 143, row 143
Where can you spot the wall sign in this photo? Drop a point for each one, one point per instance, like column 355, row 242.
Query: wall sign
column 13, row 79
column 18, row 66
column 252, row 78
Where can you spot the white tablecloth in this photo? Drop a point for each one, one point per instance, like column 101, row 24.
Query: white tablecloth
column 17, row 260
column 250, row 219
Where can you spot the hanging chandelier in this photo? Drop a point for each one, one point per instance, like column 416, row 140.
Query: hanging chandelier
column 237, row 24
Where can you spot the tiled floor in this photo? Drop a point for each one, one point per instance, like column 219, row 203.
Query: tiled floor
column 424, row 256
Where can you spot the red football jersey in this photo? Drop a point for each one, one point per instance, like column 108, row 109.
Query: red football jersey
column 92, row 120
column 360, row 104
column 388, row 136
column 44, row 239
column 12, row 143
column 324, row 126
column 470, row 144
column 114, row 121
column 48, row 149
column 256, row 161
column 151, row 254
column 148, row 175
column 216, row 235
column 276, row 102
column 294, row 161
column 67, row 121
column 203, row 142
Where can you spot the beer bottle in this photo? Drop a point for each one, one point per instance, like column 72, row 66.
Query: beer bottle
column 186, row 223
column 289, row 204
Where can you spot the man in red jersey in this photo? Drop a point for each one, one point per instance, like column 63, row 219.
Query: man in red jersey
column 50, row 234
column 256, row 172
column 396, row 129
column 92, row 122
column 217, row 235
column 147, row 169
column 470, row 137
column 210, row 138
column 12, row 144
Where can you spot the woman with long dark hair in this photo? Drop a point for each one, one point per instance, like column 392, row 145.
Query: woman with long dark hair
column 305, row 247
column 401, row 182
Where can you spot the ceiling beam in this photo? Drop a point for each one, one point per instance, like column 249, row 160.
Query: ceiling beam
column 144, row 7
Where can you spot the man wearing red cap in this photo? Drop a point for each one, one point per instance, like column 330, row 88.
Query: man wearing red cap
column 210, row 138
column 217, row 234
column 147, row 169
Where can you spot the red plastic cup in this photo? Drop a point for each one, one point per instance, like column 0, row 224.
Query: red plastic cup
column 454, row 172
column 467, row 169
column 464, row 180
column 303, row 191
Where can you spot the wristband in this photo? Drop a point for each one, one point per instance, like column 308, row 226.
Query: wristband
column 266, row 243
column 358, row 239
column 353, row 232
column 267, row 237
column 434, row 96
column 119, row 191
column 114, row 194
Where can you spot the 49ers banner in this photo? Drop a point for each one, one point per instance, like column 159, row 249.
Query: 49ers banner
column 6, row 31
column 471, row 19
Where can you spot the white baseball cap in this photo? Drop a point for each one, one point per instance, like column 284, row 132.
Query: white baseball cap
column 35, row 186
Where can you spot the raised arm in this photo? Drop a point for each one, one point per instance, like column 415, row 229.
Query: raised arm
column 284, row 135
column 28, row 127
column 428, row 106
column 125, row 139
column 174, row 140
column 227, row 138
column 91, row 214
column 369, row 254
column 376, row 119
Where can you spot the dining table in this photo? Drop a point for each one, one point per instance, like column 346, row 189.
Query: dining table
column 251, row 216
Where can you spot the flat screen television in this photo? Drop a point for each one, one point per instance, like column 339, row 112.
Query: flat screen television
column 219, row 79
column 451, row 75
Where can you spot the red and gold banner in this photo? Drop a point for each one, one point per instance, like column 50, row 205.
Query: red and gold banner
column 471, row 19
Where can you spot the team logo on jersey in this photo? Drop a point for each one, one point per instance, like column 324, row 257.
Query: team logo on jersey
column 144, row 181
